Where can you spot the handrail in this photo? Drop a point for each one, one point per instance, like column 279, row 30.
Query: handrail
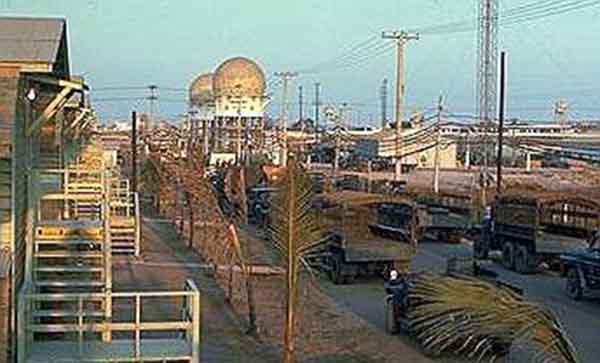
column 138, row 228
column 189, row 321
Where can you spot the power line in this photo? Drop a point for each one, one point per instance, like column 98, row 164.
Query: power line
column 520, row 14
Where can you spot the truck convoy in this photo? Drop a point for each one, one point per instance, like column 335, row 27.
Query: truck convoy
column 537, row 227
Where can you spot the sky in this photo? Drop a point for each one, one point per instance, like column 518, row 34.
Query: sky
column 135, row 43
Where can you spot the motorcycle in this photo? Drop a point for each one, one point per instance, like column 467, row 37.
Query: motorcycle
column 397, row 303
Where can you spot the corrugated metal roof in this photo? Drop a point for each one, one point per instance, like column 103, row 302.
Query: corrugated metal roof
column 30, row 39
column 4, row 263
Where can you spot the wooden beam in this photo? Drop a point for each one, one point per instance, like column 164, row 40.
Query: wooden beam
column 79, row 118
column 56, row 105
column 78, row 86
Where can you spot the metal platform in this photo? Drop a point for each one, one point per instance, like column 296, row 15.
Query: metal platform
column 152, row 350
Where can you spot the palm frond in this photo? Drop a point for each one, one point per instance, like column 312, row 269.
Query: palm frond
column 294, row 228
column 478, row 319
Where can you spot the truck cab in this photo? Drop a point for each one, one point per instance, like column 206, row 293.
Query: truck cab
column 581, row 268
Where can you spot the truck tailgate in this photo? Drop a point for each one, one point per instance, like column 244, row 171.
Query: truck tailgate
column 551, row 243
column 368, row 250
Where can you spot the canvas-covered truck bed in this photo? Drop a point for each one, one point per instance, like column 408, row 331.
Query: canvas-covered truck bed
column 353, row 248
column 448, row 215
column 533, row 228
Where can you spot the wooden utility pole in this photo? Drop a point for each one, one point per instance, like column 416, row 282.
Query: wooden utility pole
column 501, row 120
column 438, row 141
column 401, row 38
column 286, row 77
column 317, row 91
column 300, row 101
column 133, row 151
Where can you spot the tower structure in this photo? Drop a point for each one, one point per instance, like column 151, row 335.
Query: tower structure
column 383, row 94
column 487, row 70
column 561, row 112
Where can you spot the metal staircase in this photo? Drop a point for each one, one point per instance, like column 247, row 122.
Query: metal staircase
column 125, row 219
column 71, row 314
column 71, row 251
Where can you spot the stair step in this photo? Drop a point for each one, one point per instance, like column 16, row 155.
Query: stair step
column 66, row 313
column 70, row 224
column 69, row 269
column 71, row 242
column 74, row 254
column 68, row 283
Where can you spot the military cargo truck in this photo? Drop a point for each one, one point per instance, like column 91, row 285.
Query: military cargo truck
column 353, row 249
column 538, row 227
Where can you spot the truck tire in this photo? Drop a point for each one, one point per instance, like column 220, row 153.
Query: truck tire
column 573, row 284
column 335, row 274
column 523, row 260
column 508, row 256
column 391, row 324
column 480, row 250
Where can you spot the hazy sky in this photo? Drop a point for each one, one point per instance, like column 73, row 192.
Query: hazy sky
column 134, row 43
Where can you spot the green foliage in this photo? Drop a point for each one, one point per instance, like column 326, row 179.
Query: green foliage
column 295, row 231
column 478, row 319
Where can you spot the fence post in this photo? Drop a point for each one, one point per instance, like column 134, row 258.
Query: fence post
column 197, row 326
column 138, row 336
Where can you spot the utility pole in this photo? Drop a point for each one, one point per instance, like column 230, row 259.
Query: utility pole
column 401, row 38
column 317, row 91
column 133, row 151
column 300, row 111
column 153, row 98
column 383, row 94
column 286, row 77
column 238, row 134
column 438, row 141
column 501, row 120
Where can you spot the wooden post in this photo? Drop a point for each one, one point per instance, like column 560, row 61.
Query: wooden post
column 134, row 151
column 138, row 323
column 107, row 334
column 196, row 326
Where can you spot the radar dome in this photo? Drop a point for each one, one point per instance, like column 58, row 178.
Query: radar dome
column 239, row 77
column 201, row 90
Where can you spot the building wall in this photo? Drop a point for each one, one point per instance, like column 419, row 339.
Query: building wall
column 5, row 313
column 448, row 154
column 8, row 95
column 18, row 152
column 235, row 106
column 386, row 147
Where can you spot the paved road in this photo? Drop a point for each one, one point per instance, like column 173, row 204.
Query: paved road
column 581, row 319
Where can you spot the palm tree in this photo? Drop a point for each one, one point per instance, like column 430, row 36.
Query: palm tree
column 478, row 319
column 295, row 235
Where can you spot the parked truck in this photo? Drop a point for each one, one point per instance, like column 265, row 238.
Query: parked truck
column 353, row 249
column 531, row 228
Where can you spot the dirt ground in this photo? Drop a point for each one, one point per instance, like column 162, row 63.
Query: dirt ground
column 327, row 332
